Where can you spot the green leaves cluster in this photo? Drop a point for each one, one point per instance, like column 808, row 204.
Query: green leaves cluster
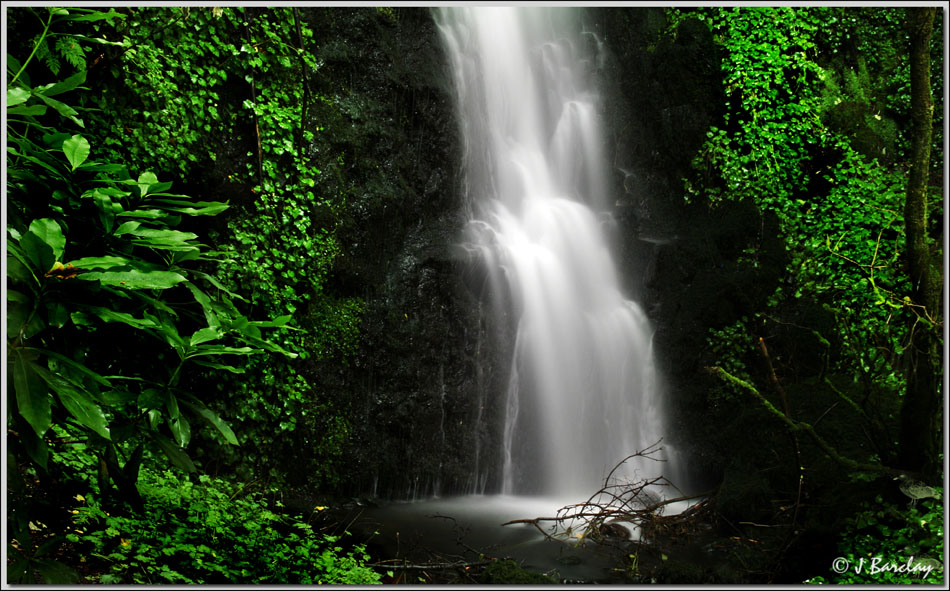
column 784, row 146
column 893, row 535
column 197, row 88
column 209, row 531
column 110, row 302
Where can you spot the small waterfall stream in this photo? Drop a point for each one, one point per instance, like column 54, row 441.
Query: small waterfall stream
column 582, row 391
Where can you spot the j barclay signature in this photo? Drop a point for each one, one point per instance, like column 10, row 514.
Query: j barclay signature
column 876, row 565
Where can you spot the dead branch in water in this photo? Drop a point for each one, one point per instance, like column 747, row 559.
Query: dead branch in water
column 619, row 501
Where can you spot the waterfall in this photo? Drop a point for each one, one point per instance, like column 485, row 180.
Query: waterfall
column 582, row 391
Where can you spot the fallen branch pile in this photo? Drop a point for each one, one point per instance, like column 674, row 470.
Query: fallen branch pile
column 619, row 504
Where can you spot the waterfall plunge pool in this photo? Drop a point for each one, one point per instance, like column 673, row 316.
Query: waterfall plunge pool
column 462, row 529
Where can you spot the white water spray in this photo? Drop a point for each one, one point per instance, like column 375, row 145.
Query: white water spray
column 583, row 392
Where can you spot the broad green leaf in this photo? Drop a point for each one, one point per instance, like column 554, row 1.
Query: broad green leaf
column 153, row 236
column 135, row 279
column 150, row 214
column 150, row 398
column 107, row 208
column 57, row 313
column 18, row 266
column 210, row 416
column 64, row 110
column 156, row 304
column 202, row 298
column 177, row 456
column 19, row 308
column 106, row 262
column 222, row 366
column 204, row 335
column 73, row 365
column 20, row 570
column 37, row 161
column 44, row 243
column 280, row 321
column 55, row 140
column 15, row 96
column 203, row 350
column 180, row 255
column 127, row 228
column 146, row 180
column 78, row 402
column 109, row 315
column 28, row 110
column 181, row 430
column 91, row 166
column 60, row 87
column 32, row 396
column 36, row 447
column 266, row 345
column 191, row 207
column 93, row 15
column 171, row 404
column 213, row 281
column 76, row 150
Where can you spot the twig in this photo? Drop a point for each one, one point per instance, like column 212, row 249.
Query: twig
column 392, row 564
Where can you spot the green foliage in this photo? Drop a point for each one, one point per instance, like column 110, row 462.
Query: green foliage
column 885, row 544
column 195, row 75
column 789, row 144
column 210, row 531
column 111, row 309
column 165, row 99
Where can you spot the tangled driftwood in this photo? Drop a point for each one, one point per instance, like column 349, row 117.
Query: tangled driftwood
column 606, row 513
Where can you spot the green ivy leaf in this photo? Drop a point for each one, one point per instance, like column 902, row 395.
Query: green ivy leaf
column 146, row 180
column 77, row 150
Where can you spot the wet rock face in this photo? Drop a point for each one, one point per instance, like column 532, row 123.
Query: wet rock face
column 414, row 387
column 681, row 261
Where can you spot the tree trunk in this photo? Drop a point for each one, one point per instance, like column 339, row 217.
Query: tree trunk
column 920, row 430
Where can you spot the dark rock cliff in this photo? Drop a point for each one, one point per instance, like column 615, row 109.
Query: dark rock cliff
column 426, row 384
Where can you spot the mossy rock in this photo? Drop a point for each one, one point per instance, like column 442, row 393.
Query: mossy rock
column 508, row 572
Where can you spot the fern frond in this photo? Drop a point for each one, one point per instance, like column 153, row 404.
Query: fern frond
column 72, row 52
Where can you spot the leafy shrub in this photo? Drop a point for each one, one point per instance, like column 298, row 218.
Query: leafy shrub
column 236, row 90
column 882, row 538
column 210, row 531
column 111, row 310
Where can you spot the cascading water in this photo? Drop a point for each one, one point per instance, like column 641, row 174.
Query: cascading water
column 582, row 391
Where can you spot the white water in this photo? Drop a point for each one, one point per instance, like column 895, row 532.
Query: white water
column 583, row 393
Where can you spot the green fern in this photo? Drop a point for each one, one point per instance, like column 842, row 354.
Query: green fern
column 72, row 52
column 43, row 53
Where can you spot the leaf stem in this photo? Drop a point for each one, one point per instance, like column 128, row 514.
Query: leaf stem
column 35, row 47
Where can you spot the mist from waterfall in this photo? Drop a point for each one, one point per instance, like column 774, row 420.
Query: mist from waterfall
column 583, row 392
